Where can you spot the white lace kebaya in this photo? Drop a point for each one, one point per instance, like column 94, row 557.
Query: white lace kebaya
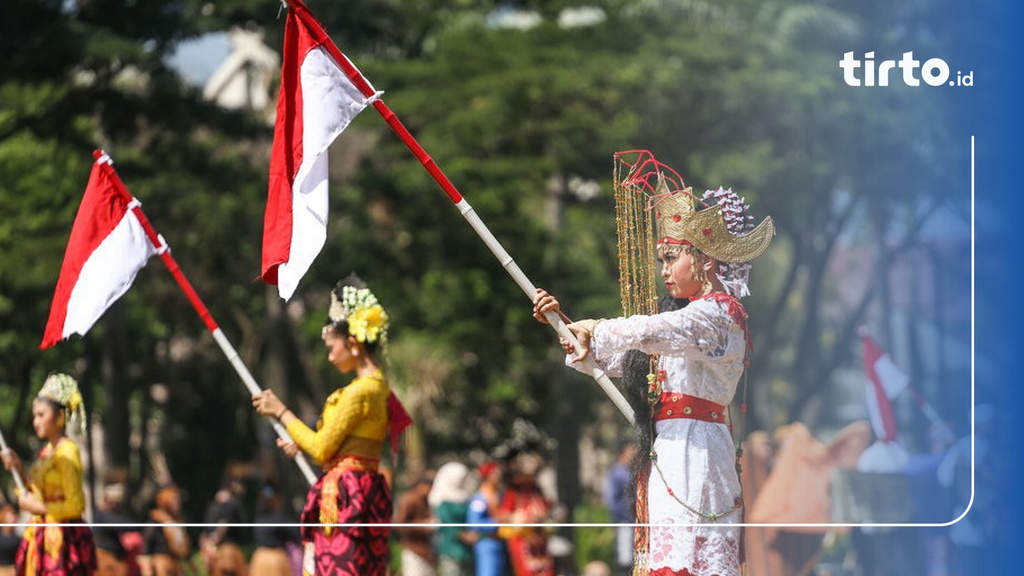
column 693, row 482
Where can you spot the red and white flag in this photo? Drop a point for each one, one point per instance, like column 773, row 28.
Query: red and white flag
column 316, row 102
column 886, row 381
column 107, row 248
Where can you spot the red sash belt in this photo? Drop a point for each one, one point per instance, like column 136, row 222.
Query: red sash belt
column 676, row 405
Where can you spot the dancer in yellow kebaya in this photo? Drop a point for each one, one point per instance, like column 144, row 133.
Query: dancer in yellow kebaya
column 54, row 487
column 348, row 442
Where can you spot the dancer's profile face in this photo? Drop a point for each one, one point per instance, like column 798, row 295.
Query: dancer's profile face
column 339, row 351
column 45, row 419
column 677, row 272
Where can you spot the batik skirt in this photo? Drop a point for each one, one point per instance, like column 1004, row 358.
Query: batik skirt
column 362, row 498
column 56, row 551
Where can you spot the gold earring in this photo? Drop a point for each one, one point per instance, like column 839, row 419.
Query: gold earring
column 700, row 273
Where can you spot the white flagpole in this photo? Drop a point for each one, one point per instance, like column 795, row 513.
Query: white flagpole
column 222, row 341
column 204, row 314
column 356, row 77
column 254, row 388
column 14, row 471
column 520, row 278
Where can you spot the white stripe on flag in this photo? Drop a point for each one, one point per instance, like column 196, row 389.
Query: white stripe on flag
column 107, row 274
column 893, row 379
column 329, row 103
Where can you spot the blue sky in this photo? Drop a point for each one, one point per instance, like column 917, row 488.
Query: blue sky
column 196, row 60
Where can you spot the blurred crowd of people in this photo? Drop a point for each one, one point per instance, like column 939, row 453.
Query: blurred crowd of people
column 494, row 519
column 459, row 522
column 447, row 525
column 158, row 544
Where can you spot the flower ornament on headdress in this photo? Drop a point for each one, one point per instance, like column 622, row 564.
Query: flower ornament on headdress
column 63, row 390
column 736, row 213
column 367, row 320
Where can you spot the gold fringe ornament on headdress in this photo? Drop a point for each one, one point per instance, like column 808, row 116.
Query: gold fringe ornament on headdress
column 635, row 174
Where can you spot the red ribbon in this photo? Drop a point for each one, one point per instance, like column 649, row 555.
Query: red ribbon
column 398, row 420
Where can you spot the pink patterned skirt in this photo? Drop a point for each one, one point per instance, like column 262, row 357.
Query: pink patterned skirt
column 363, row 497
column 56, row 551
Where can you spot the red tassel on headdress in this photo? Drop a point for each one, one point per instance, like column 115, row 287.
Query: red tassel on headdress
column 398, row 420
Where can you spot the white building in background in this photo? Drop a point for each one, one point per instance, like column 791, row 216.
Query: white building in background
column 245, row 78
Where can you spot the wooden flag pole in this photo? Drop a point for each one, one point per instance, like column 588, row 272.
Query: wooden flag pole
column 14, row 472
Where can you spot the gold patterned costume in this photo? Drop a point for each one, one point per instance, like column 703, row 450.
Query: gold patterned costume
column 348, row 443
column 58, row 542
column 354, row 423
column 56, row 477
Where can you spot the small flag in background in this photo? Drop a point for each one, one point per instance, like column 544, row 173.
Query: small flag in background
column 107, row 248
column 315, row 104
column 886, row 381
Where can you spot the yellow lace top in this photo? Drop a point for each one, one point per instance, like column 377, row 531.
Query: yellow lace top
column 56, row 476
column 354, row 422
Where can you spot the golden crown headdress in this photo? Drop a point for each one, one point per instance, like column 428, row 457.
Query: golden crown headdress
column 352, row 302
column 679, row 221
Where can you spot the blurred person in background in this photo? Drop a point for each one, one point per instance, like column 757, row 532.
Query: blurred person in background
column 110, row 527
column 489, row 555
column 221, row 545
column 418, row 556
column 449, row 500
column 524, row 503
column 619, row 498
column 274, row 541
column 9, row 539
column 167, row 546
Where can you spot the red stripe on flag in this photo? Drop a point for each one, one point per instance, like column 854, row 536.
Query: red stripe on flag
column 872, row 354
column 286, row 154
column 319, row 36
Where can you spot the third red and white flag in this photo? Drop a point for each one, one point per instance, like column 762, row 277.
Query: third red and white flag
column 885, row 382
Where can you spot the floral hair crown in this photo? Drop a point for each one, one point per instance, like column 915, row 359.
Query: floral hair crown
column 63, row 389
column 367, row 320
